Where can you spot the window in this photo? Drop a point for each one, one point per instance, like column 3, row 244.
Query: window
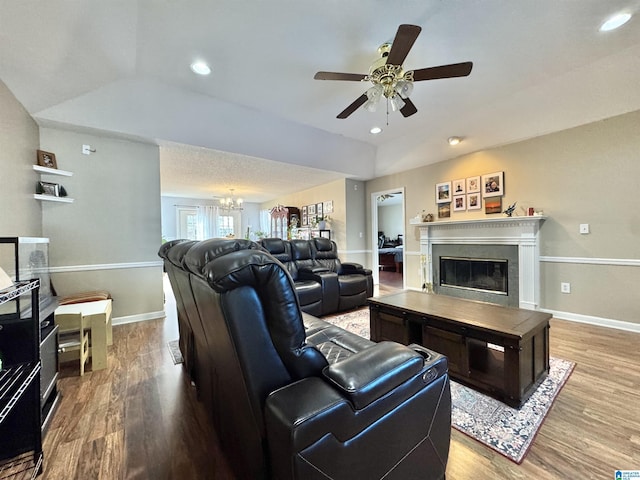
column 225, row 225
column 187, row 222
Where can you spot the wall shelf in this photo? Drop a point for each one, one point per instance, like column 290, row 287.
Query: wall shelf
column 52, row 198
column 52, row 171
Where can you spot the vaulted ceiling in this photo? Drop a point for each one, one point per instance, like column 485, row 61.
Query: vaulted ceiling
column 260, row 123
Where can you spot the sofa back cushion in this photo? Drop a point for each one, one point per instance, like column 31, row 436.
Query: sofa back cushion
column 281, row 250
column 325, row 252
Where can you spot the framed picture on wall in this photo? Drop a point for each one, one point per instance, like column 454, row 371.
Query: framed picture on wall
column 319, row 209
column 444, row 210
column 474, row 201
column 473, row 184
column 493, row 184
column 328, row 206
column 493, row 205
column 303, row 215
column 459, row 203
column 312, row 210
column 443, row 192
column 459, row 187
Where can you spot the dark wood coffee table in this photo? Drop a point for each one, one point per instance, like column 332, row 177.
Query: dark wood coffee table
column 501, row 351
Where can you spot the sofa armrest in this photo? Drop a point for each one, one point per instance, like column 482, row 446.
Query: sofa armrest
column 371, row 373
column 352, row 267
column 313, row 270
column 313, row 431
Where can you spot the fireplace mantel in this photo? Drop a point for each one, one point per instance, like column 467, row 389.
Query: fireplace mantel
column 520, row 231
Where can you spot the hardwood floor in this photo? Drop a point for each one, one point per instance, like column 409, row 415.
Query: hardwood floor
column 140, row 419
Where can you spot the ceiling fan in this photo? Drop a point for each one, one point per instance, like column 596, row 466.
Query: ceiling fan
column 389, row 78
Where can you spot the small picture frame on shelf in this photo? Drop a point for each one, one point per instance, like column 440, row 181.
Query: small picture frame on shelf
column 443, row 192
column 493, row 184
column 459, row 203
column 48, row 188
column 47, row 159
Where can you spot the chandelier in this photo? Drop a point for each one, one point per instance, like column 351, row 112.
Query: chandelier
column 231, row 203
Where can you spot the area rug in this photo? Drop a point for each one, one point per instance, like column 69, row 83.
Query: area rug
column 174, row 350
column 506, row 430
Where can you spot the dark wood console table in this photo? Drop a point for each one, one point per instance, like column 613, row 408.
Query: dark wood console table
column 501, row 351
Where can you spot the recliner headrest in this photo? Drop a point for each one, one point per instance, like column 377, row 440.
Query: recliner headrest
column 323, row 244
column 177, row 253
column 165, row 247
column 207, row 250
column 273, row 245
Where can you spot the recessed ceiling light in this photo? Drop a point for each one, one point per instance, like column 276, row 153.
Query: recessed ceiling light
column 200, row 68
column 454, row 140
column 615, row 21
column 375, row 130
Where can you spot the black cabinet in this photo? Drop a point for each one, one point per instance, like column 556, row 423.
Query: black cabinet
column 20, row 400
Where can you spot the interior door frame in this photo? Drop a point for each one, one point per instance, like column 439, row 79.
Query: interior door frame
column 374, row 233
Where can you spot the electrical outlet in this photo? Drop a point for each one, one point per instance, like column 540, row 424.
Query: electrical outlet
column 565, row 287
column 584, row 228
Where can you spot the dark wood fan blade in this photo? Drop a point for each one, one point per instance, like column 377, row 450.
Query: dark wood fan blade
column 352, row 77
column 405, row 38
column 443, row 71
column 353, row 107
column 409, row 108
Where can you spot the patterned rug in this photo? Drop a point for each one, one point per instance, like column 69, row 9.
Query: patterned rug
column 507, row 430
column 174, row 350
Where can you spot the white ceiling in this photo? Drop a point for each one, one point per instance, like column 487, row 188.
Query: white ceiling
column 122, row 66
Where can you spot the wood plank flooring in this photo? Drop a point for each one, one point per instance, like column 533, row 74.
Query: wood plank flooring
column 140, row 419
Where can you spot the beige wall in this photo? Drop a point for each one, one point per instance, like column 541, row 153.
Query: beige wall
column 20, row 215
column 347, row 220
column 109, row 237
column 588, row 175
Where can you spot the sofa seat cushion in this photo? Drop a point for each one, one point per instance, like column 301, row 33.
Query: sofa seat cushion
column 337, row 344
column 352, row 284
column 308, row 291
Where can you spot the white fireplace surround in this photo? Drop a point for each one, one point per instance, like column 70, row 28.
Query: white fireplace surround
column 520, row 231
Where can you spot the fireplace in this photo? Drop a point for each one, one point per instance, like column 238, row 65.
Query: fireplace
column 493, row 272
column 514, row 240
column 490, row 275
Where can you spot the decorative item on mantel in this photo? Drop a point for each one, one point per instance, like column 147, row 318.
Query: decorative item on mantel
column 510, row 209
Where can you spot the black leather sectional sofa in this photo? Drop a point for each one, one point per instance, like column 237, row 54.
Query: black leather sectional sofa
column 324, row 284
column 292, row 396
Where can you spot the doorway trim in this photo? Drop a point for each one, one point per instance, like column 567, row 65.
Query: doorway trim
column 374, row 233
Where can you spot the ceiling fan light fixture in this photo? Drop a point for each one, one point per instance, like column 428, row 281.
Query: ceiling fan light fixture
column 373, row 95
column 454, row 141
column 615, row 21
column 396, row 103
column 404, row 88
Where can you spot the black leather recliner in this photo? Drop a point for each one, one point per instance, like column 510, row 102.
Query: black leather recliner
column 296, row 401
column 355, row 283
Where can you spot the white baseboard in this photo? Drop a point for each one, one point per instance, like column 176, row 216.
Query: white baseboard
column 140, row 317
column 592, row 320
